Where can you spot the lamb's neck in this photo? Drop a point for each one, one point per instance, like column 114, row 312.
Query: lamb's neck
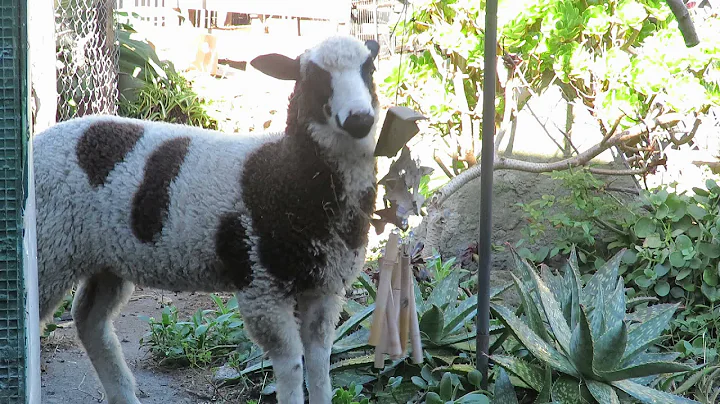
column 352, row 160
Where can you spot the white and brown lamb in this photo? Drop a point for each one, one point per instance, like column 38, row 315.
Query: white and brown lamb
column 279, row 219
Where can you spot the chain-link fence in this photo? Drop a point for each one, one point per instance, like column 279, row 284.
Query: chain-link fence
column 87, row 58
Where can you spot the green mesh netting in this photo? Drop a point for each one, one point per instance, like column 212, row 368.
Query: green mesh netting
column 13, row 141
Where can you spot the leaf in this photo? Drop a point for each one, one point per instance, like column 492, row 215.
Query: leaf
column 356, row 340
column 446, row 387
column 710, row 276
column 615, row 306
column 582, row 345
column 609, row 348
column 683, row 242
column 554, row 315
column 568, row 390
column 353, row 321
column 662, row 288
column 696, row 211
column 529, row 373
column 504, row 392
column 645, row 333
column 712, row 293
column 650, row 395
column 603, row 393
column 711, row 250
column 683, row 274
column 644, row 369
column 643, row 281
column 653, row 241
column 475, row 398
column 539, row 348
column 460, row 315
column 431, row 324
column 605, row 277
column 446, row 291
column 644, row 227
column 535, row 322
column 677, row 259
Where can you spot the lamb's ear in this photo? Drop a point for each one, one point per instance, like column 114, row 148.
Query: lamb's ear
column 374, row 47
column 278, row 66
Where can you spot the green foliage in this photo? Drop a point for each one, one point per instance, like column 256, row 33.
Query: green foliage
column 449, row 388
column 448, row 337
column 353, row 395
column 206, row 337
column 597, row 352
column 151, row 89
column 673, row 240
column 617, row 58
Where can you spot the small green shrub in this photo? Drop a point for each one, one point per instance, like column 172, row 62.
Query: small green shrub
column 672, row 239
column 208, row 336
column 152, row 89
column 596, row 352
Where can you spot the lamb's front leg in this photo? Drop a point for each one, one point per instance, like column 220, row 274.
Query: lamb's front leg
column 270, row 321
column 318, row 314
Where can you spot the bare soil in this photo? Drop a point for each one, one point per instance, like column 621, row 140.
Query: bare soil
column 68, row 376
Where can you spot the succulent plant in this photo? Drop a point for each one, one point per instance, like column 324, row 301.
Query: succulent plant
column 599, row 353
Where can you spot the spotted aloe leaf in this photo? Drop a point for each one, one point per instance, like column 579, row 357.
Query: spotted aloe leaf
column 649, row 395
column 605, row 277
column 459, row 315
column 609, row 348
column 554, row 282
column 645, row 334
column 568, row 390
column 432, row 323
column 553, row 313
column 539, row 348
column 574, row 284
column 530, row 374
column 614, row 307
column 603, row 393
column 445, row 291
column 596, row 314
column 535, row 321
column 504, row 392
column 644, row 369
column 581, row 345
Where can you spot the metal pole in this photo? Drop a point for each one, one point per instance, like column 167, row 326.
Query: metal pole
column 486, row 183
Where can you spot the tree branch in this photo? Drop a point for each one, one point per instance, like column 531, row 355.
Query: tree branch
column 685, row 23
column 503, row 163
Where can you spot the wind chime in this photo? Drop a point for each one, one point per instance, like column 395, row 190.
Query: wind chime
column 395, row 319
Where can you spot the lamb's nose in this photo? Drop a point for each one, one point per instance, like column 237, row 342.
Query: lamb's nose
column 358, row 125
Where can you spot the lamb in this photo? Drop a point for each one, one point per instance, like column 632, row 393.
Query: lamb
column 279, row 219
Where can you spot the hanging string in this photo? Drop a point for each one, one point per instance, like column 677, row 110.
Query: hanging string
column 402, row 46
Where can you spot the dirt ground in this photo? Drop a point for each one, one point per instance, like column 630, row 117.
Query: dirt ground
column 69, row 378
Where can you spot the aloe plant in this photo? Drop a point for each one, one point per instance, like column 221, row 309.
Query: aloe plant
column 599, row 352
column 443, row 318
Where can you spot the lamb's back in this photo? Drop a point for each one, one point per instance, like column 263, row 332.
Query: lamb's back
column 148, row 200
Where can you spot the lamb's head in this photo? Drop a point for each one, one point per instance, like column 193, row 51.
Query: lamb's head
column 334, row 96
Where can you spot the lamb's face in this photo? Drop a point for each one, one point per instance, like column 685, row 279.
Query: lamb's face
column 335, row 88
column 337, row 80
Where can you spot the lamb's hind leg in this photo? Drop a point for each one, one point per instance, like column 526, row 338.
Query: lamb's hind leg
column 97, row 301
column 319, row 315
column 270, row 321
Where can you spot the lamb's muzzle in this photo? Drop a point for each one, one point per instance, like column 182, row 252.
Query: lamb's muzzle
column 358, row 125
column 280, row 219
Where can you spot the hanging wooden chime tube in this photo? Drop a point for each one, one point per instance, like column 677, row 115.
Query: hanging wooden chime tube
column 395, row 317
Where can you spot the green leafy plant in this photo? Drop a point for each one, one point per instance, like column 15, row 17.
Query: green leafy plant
column 353, row 395
column 596, row 352
column 152, row 89
column 206, row 337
